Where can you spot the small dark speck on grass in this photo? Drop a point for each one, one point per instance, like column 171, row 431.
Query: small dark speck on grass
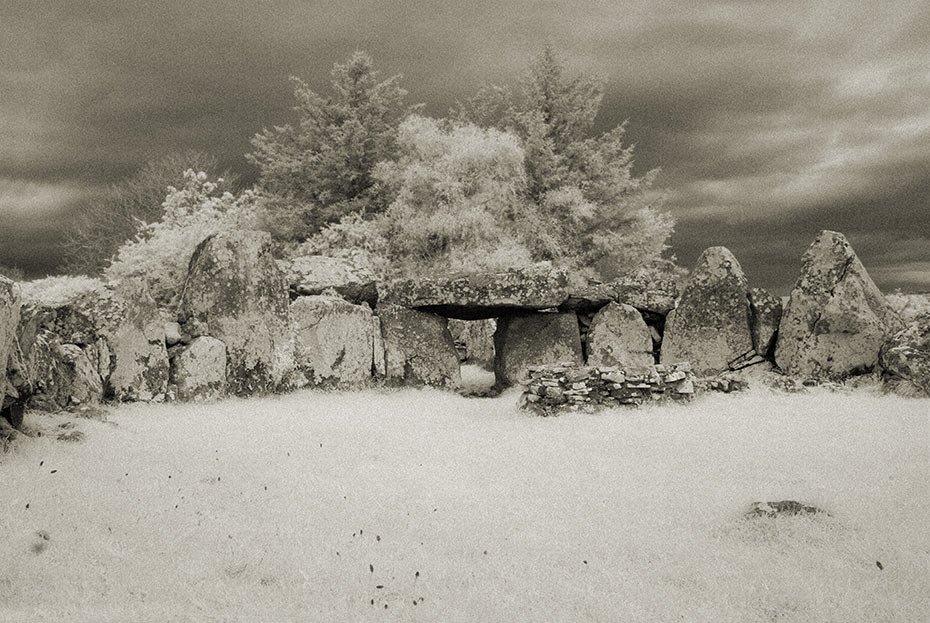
column 41, row 463
column 53, row 471
column 371, row 568
column 416, row 575
column 385, row 606
column 377, row 537
column 585, row 561
column 27, row 505
column 372, row 602
column 879, row 565
column 379, row 586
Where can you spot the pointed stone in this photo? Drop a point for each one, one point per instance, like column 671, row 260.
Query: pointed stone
column 619, row 337
column 836, row 319
column 710, row 327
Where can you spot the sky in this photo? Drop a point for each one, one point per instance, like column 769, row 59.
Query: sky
column 770, row 120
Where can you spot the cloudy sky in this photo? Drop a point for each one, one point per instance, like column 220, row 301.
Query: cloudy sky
column 770, row 119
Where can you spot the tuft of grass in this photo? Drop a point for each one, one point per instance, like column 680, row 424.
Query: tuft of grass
column 418, row 505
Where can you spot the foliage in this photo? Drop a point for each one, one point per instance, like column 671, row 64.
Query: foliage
column 59, row 289
column 322, row 167
column 105, row 222
column 12, row 272
column 161, row 252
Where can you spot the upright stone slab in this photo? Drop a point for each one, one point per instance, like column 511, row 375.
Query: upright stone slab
column 334, row 339
column 618, row 336
column 906, row 357
column 476, row 337
column 235, row 292
column 836, row 319
column 530, row 339
column 9, row 320
column 198, row 370
column 136, row 343
column 475, row 296
column 764, row 316
column 710, row 327
column 418, row 348
column 310, row 275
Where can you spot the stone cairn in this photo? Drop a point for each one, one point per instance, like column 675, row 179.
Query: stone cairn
column 549, row 388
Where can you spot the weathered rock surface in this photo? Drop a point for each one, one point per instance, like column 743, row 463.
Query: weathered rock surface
column 136, row 341
column 235, row 292
column 418, row 347
column 764, row 316
column 482, row 295
column 62, row 375
column 198, row 370
column 836, row 319
column 710, row 327
column 905, row 358
column 315, row 274
column 782, row 508
column 334, row 339
column 474, row 339
column 653, row 289
column 9, row 320
column 618, row 336
column 532, row 339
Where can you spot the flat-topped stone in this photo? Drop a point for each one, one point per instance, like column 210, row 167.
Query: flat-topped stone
column 475, row 296
column 653, row 289
column 310, row 275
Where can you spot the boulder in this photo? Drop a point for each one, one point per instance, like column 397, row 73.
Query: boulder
column 652, row 288
column 418, row 347
column 310, row 275
column 524, row 340
column 905, row 358
column 334, row 339
column 482, row 295
column 836, row 320
column 764, row 315
column 710, row 327
column 136, row 346
column 474, row 339
column 618, row 336
column 235, row 292
column 198, row 370
column 9, row 320
column 62, row 375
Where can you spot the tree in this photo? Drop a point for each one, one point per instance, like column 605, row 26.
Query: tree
column 582, row 180
column 321, row 169
column 102, row 224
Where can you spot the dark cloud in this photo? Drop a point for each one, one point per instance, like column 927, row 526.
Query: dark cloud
column 769, row 119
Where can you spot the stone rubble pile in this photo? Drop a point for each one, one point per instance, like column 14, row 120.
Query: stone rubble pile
column 549, row 387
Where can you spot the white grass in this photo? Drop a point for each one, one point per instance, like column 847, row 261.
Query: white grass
column 273, row 510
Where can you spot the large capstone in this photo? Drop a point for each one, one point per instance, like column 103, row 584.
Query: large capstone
column 651, row 289
column 836, row 319
column 710, row 327
column 905, row 359
column 235, row 292
column 310, row 275
column 334, row 339
column 198, row 370
column 418, row 348
column 529, row 339
column 482, row 295
column 618, row 336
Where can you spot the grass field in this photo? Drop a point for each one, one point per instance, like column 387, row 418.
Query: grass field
column 426, row 506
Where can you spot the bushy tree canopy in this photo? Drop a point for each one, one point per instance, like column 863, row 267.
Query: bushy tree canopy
column 320, row 169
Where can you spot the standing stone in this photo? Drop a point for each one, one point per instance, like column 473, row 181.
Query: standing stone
column 710, row 327
column 333, row 339
column 136, row 339
column 531, row 339
column 63, row 375
column 199, row 369
column 836, row 319
column 764, row 315
column 906, row 357
column 418, row 347
column 235, row 292
column 618, row 336
column 377, row 349
column 9, row 320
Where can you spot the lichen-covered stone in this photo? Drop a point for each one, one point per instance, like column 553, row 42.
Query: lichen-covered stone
column 905, row 358
column 836, row 319
column 61, row 375
column 235, row 292
column 9, row 320
column 334, row 339
column 136, row 345
column 618, row 336
column 198, row 370
column 529, row 339
column 482, row 295
column 764, row 316
column 653, row 288
column 310, row 275
column 418, row 348
column 476, row 338
column 710, row 326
